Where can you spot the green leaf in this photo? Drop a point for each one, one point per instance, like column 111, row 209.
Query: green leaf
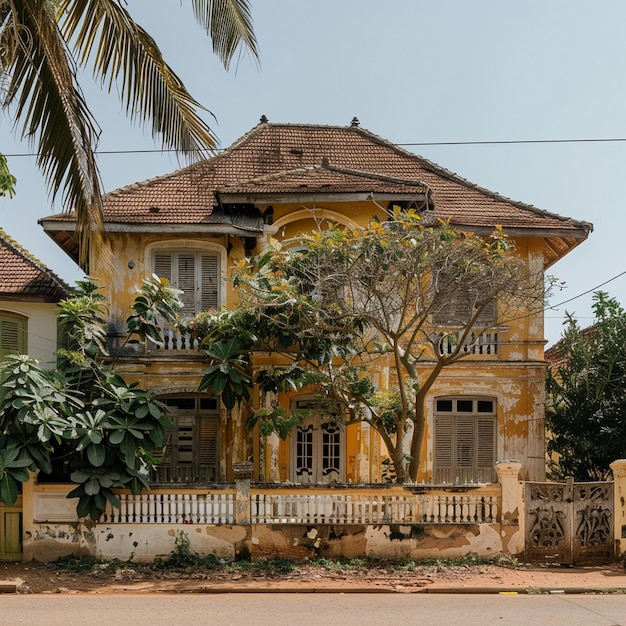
column 96, row 454
column 117, row 436
column 9, row 489
column 92, row 486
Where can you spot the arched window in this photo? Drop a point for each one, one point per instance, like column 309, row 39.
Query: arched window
column 13, row 334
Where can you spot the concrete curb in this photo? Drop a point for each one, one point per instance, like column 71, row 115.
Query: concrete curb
column 12, row 587
column 407, row 591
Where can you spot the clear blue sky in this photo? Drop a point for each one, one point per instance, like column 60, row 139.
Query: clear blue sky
column 412, row 71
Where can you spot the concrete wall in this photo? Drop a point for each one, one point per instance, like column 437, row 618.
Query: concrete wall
column 145, row 542
column 51, row 530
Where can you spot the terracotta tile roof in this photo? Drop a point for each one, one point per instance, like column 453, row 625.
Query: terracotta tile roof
column 187, row 196
column 325, row 178
column 22, row 276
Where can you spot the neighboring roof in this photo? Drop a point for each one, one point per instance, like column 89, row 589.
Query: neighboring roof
column 557, row 353
column 280, row 158
column 23, row 277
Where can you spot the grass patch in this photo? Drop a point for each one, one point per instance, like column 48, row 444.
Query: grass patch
column 88, row 564
column 181, row 558
column 340, row 565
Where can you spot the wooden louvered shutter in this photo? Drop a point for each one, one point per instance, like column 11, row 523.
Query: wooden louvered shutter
column 207, row 440
column 464, row 448
column 187, row 282
column 443, row 442
column 13, row 335
column 185, row 439
column 488, row 314
column 485, row 446
column 210, row 282
column 458, row 311
column 163, row 265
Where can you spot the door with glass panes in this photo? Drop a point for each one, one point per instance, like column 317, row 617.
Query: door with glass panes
column 318, row 449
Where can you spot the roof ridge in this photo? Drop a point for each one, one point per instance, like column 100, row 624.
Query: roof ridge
column 219, row 154
column 442, row 171
column 332, row 168
column 383, row 177
column 28, row 256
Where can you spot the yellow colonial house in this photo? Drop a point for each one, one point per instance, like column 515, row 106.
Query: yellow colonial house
column 280, row 180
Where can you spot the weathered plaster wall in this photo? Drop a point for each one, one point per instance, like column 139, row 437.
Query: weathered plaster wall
column 42, row 328
column 519, row 390
column 390, row 542
column 145, row 542
column 137, row 542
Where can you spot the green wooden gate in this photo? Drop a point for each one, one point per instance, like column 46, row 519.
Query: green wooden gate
column 11, row 531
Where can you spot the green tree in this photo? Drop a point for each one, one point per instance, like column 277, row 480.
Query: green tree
column 44, row 43
column 586, row 395
column 350, row 302
column 83, row 422
column 7, row 180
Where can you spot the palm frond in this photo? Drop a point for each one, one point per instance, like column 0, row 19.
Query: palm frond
column 229, row 24
column 52, row 113
column 105, row 35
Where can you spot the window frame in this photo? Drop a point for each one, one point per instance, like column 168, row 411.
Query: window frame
column 199, row 250
column 187, row 456
column 19, row 343
column 327, row 448
column 465, row 441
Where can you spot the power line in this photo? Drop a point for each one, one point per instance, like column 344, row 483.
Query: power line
column 584, row 293
column 502, row 142
column 511, row 142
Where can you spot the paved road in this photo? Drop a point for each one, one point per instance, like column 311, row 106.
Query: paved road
column 310, row 609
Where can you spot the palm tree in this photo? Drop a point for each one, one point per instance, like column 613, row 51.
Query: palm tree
column 42, row 45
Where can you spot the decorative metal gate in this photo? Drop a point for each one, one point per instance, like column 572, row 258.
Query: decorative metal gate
column 569, row 523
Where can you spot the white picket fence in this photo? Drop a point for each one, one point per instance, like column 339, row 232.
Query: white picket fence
column 276, row 507
column 173, row 508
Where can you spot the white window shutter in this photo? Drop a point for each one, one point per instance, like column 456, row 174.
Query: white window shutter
column 210, row 282
column 187, row 282
column 163, row 265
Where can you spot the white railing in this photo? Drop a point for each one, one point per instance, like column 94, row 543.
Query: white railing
column 458, row 509
column 173, row 508
column 287, row 506
column 175, row 340
column 276, row 508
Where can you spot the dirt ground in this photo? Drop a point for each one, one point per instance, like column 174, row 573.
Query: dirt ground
column 35, row 577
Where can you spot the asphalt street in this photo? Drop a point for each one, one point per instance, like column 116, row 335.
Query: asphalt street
column 327, row 609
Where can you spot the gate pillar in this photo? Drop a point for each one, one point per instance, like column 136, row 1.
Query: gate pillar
column 511, row 513
column 619, row 510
